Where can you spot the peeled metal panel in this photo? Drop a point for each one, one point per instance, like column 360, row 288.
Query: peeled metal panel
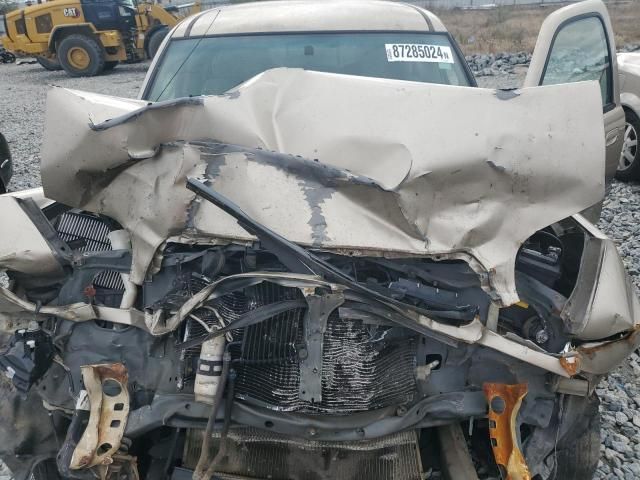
column 604, row 300
column 22, row 247
column 376, row 166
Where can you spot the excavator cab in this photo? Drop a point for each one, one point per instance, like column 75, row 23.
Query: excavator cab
column 110, row 14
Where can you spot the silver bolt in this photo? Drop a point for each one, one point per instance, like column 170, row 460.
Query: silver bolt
column 542, row 336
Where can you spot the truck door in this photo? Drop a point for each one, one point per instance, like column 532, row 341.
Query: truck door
column 576, row 43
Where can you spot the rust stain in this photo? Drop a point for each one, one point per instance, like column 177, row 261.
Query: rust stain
column 571, row 364
column 630, row 336
column 108, row 415
column 90, row 291
column 84, row 461
column 115, row 371
column 504, row 403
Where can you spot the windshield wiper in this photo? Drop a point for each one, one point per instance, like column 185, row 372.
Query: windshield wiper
column 300, row 260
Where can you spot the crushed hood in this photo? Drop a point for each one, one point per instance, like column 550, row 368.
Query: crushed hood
column 356, row 165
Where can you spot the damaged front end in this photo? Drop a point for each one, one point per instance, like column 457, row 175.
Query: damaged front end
column 236, row 286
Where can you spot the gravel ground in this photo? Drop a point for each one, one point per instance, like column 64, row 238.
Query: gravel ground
column 507, row 80
column 21, row 121
column 22, row 105
column 620, row 392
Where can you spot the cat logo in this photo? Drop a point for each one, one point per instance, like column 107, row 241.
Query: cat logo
column 71, row 12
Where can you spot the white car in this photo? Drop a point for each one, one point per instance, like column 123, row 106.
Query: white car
column 629, row 68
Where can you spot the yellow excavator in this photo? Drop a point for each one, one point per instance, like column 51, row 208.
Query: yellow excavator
column 87, row 37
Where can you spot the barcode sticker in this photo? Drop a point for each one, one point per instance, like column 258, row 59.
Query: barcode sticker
column 413, row 52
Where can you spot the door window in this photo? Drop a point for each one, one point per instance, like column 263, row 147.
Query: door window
column 44, row 23
column 580, row 52
column 21, row 27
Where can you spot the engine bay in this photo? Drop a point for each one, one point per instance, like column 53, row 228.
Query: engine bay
column 300, row 358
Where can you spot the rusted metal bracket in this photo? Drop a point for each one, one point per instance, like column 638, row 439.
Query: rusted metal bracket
column 504, row 404
column 106, row 387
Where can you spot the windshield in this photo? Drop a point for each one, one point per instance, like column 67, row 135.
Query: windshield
column 214, row 65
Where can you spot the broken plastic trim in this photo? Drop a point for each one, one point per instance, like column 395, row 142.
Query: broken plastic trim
column 136, row 114
column 158, row 324
column 356, row 301
column 300, row 260
column 297, row 258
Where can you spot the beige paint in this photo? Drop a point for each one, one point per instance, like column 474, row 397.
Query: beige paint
column 452, row 175
column 456, row 175
column 310, row 16
column 604, row 300
column 103, row 433
column 22, row 247
column 305, row 16
column 613, row 116
column 629, row 67
column 302, row 16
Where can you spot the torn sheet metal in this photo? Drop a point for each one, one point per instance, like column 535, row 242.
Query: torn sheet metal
column 157, row 323
column 375, row 166
column 22, row 247
column 604, row 301
column 14, row 308
column 476, row 333
column 600, row 358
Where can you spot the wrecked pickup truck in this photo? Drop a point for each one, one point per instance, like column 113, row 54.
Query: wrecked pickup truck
column 314, row 276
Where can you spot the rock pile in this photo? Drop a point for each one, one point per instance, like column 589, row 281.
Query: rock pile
column 495, row 64
column 630, row 47
column 486, row 65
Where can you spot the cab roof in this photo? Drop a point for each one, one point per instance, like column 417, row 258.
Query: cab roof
column 309, row 16
column 38, row 7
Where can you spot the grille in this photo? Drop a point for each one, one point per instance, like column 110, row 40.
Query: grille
column 254, row 453
column 357, row 374
column 361, row 370
column 230, row 307
column 267, row 345
column 85, row 233
column 274, row 340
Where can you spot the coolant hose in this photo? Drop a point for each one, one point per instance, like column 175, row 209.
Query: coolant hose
column 201, row 471
column 222, row 451
column 121, row 240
